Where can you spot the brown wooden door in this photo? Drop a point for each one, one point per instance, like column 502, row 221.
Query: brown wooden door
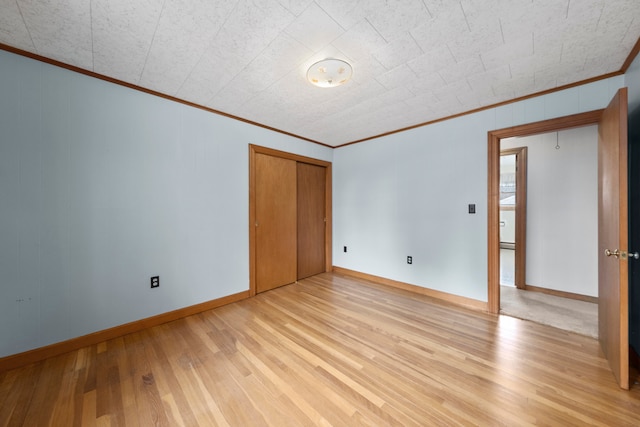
column 613, row 309
column 275, row 181
column 311, row 219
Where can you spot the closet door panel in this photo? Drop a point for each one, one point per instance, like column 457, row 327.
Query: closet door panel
column 276, row 211
column 311, row 219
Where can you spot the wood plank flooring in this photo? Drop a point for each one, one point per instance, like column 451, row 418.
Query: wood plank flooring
column 329, row 350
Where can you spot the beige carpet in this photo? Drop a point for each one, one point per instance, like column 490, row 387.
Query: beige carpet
column 568, row 314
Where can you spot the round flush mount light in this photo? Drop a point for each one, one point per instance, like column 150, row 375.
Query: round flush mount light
column 329, row 73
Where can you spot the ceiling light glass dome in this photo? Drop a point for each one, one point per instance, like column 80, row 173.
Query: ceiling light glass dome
column 329, row 72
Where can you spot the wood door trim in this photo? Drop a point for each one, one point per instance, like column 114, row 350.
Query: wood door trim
column 256, row 149
column 493, row 194
column 520, row 277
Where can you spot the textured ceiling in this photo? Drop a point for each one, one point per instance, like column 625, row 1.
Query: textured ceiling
column 414, row 61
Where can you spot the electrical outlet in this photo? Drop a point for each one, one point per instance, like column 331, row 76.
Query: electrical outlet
column 409, row 260
column 345, row 248
column 155, row 282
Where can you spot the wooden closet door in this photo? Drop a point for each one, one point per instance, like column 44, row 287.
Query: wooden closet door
column 275, row 221
column 311, row 219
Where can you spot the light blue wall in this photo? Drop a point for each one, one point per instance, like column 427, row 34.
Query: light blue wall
column 407, row 194
column 102, row 187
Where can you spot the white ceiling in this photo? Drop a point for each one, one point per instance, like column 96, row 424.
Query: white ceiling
column 414, row 61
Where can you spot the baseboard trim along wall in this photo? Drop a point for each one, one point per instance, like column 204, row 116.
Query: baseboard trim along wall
column 562, row 294
column 38, row 354
column 444, row 296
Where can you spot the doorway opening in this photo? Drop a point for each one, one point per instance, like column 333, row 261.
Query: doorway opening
column 494, row 156
column 560, row 287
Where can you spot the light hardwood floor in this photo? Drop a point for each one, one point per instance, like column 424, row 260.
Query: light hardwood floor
column 329, row 350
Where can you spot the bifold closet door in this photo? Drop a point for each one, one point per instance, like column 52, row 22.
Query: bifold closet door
column 311, row 219
column 276, row 224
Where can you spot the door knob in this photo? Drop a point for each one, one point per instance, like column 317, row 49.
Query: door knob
column 634, row 255
column 615, row 252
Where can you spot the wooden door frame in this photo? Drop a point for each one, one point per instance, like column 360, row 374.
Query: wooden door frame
column 493, row 203
column 256, row 149
column 520, row 272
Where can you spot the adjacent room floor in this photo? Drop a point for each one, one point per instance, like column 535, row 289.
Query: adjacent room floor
column 569, row 314
column 564, row 313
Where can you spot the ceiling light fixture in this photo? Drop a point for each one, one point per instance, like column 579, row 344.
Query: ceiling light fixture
column 329, row 72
